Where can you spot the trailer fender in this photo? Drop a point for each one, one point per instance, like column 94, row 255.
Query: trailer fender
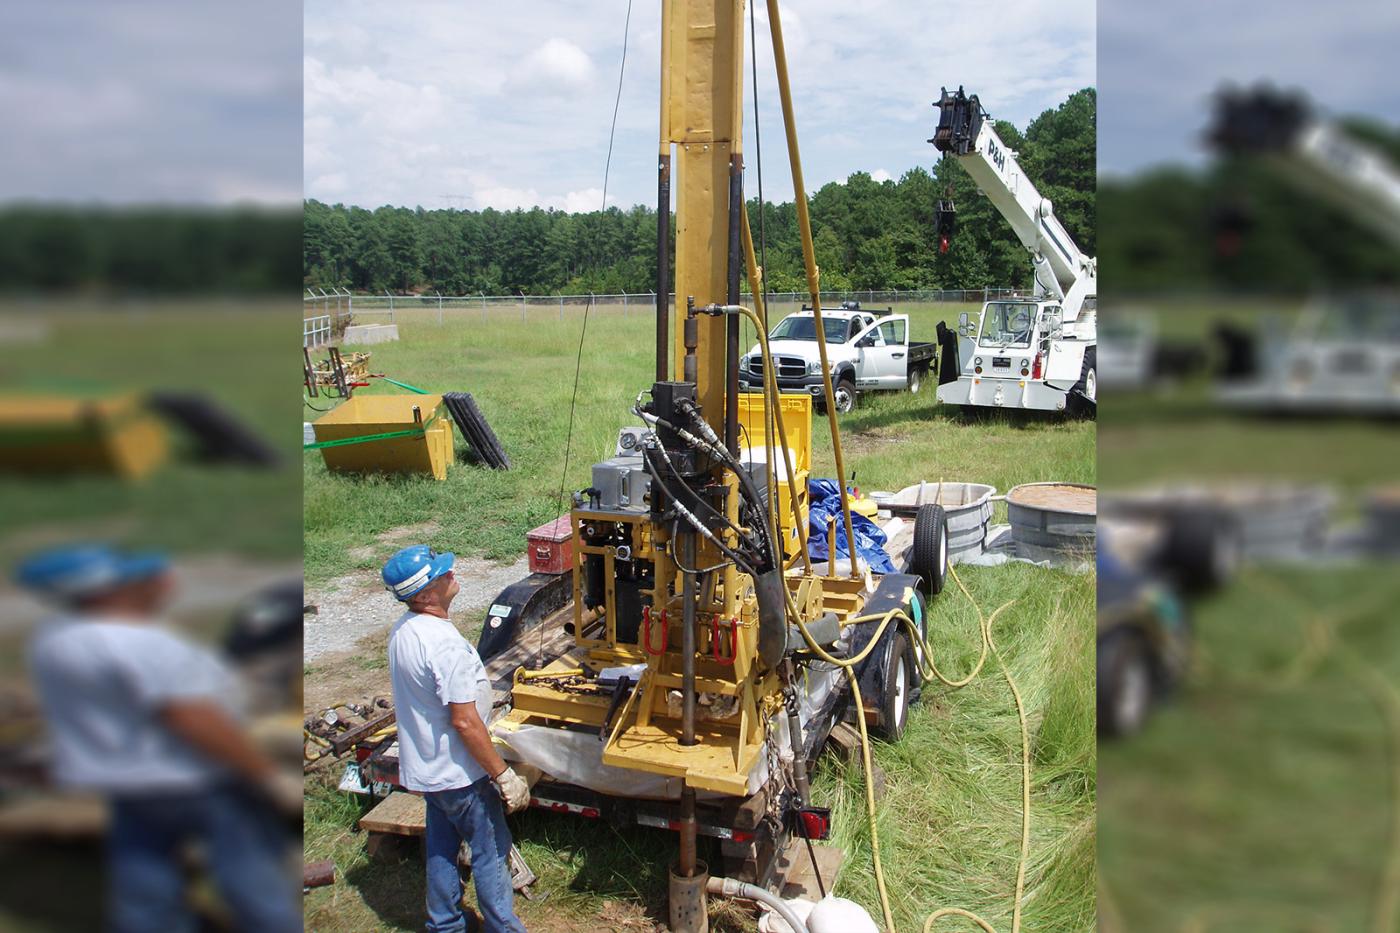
column 891, row 592
column 520, row 607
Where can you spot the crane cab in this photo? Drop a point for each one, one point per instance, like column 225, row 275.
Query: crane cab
column 1021, row 353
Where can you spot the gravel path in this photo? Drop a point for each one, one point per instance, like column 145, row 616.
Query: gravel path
column 356, row 605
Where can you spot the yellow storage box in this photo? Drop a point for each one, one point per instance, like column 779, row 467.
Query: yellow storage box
column 363, row 416
column 55, row 434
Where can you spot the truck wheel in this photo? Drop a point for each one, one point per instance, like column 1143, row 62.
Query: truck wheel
column 916, row 380
column 929, row 560
column 1125, row 683
column 899, row 684
column 845, row 395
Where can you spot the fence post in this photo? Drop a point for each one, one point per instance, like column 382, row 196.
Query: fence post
column 624, row 303
column 522, row 307
column 483, row 305
column 439, row 294
column 561, row 305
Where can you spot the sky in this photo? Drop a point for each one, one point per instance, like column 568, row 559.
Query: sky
column 1159, row 64
column 151, row 101
column 474, row 105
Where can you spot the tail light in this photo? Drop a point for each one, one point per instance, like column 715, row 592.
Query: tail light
column 943, row 244
column 814, row 823
column 1036, row 366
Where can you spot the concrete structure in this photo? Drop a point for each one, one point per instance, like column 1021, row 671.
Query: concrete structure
column 359, row 334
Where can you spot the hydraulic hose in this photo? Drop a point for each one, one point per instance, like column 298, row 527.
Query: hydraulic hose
column 728, row 887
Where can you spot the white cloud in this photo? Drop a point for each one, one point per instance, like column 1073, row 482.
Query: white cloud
column 510, row 104
column 589, row 199
column 881, row 175
column 151, row 100
column 558, row 62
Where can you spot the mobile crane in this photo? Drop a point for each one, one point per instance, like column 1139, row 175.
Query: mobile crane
column 710, row 656
column 1034, row 353
column 1339, row 355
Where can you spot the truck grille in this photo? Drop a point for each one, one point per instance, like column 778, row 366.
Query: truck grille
column 789, row 367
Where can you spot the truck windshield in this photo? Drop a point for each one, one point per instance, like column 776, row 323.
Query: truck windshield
column 1008, row 323
column 804, row 327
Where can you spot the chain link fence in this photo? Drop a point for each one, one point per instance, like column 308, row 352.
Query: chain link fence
column 328, row 312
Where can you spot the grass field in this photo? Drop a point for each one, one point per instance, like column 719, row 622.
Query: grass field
column 950, row 821
column 1254, row 802
column 1259, row 800
column 523, row 381
column 226, row 350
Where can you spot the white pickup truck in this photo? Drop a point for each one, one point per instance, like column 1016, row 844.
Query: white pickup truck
column 865, row 352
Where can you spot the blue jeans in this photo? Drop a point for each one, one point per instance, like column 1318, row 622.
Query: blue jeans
column 473, row 814
column 242, row 847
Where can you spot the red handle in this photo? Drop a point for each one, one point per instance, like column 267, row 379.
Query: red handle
column 733, row 641
column 646, row 632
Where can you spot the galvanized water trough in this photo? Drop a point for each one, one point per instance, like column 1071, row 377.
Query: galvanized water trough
column 1049, row 520
column 967, row 506
column 1272, row 520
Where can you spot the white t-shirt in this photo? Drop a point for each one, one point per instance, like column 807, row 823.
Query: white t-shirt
column 430, row 666
column 102, row 684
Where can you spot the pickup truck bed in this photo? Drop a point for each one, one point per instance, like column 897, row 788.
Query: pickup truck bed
column 921, row 351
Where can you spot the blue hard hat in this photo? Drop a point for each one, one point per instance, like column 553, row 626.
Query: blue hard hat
column 413, row 568
column 82, row 571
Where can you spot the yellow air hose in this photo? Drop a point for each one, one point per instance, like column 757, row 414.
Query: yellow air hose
column 928, row 668
column 1319, row 642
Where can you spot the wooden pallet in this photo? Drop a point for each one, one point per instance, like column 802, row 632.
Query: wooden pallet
column 400, row 814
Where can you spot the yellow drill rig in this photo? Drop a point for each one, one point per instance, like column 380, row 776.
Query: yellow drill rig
column 696, row 693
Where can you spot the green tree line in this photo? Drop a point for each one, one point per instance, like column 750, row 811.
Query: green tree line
column 867, row 234
column 1236, row 224
column 58, row 248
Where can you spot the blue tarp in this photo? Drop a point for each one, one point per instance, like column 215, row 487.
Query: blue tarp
column 825, row 498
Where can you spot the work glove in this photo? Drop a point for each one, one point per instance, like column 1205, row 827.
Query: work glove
column 514, row 791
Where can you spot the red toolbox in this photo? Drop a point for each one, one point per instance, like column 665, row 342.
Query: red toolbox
column 551, row 547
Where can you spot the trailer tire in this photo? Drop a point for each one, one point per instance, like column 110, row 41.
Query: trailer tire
column 929, row 559
column 1126, row 683
column 896, row 697
column 1202, row 550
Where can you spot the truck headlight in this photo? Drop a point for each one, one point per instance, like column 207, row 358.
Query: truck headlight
column 814, row 368
column 743, row 364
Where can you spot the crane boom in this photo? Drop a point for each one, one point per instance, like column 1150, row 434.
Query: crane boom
column 1316, row 154
column 1061, row 270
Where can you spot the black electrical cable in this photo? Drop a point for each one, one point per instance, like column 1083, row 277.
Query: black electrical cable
column 583, row 331
column 607, row 168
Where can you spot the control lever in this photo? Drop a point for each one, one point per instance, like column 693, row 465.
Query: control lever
column 619, row 696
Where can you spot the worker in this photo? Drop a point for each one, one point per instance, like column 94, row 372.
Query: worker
column 149, row 720
column 443, row 699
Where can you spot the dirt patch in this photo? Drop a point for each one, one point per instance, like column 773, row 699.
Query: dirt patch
column 395, row 538
column 1062, row 497
column 354, row 606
